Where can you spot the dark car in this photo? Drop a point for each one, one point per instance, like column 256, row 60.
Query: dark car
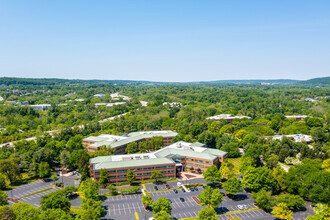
column 176, row 191
column 192, row 189
column 183, row 190
column 182, row 199
column 169, row 200
column 156, row 188
column 168, row 186
column 204, row 186
column 196, row 189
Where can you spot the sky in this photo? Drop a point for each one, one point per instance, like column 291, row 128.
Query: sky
column 172, row 40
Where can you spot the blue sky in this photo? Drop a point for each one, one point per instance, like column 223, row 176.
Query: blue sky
column 165, row 40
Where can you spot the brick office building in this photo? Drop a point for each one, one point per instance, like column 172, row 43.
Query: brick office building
column 169, row 161
column 92, row 143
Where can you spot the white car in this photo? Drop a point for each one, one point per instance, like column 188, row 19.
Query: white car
column 242, row 207
column 179, row 184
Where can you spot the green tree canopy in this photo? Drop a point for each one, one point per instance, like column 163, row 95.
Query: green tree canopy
column 130, row 176
column 207, row 213
column 210, row 197
column 233, row 185
column 162, row 204
column 282, row 211
column 211, row 174
column 263, row 199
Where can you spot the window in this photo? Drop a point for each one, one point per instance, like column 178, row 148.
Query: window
column 163, row 171
column 122, row 171
column 162, row 167
column 190, row 159
column 122, row 176
column 170, row 166
column 148, row 168
column 97, row 173
column 190, row 164
column 208, row 162
column 111, row 171
column 139, row 174
column 139, row 169
column 146, row 174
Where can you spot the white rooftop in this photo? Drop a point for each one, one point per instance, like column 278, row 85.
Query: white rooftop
column 296, row 116
column 227, row 116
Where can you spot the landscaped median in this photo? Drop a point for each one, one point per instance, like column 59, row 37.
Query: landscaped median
column 163, row 190
column 226, row 213
column 40, row 191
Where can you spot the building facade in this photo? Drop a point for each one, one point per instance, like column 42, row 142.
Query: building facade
column 119, row 143
column 170, row 160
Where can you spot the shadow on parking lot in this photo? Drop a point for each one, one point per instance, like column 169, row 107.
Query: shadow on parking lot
column 221, row 210
column 239, row 197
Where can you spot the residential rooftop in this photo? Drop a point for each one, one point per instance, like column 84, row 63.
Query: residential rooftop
column 226, row 117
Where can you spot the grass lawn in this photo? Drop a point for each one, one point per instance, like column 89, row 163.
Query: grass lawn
column 235, row 161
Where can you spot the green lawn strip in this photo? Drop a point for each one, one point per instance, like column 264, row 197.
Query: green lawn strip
column 227, row 213
column 163, row 190
column 109, row 194
column 236, row 162
column 25, row 180
column 40, row 191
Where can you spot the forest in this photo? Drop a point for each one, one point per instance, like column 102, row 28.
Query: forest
column 260, row 170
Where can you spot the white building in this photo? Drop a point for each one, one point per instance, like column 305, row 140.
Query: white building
column 228, row 117
column 116, row 96
column 172, row 104
column 143, row 103
column 99, row 95
column 296, row 137
column 41, row 107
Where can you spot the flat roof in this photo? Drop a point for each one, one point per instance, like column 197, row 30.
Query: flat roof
column 227, row 116
column 115, row 141
column 108, row 164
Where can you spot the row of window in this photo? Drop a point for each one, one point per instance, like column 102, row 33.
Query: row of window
column 199, row 161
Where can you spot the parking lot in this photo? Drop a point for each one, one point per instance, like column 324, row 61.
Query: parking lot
column 256, row 214
column 124, row 207
column 27, row 189
column 34, row 199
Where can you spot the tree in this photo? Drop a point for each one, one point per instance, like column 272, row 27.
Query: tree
column 65, row 157
column 90, row 210
column 207, row 213
column 7, row 213
column 25, row 211
column 259, row 178
column 326, row 165
column 147, row 199
column 83, row 166
column 210, row 197
column 130, row 176
column 54, row 214
column 162, row 215
column 162, row 204
column 211, row 174
column 282, row 211
column 11, row 169
column 322, row 212
column 56, row 202
column 103, row 180
column 44, row 170
column 88, row 189
column 3, row 182
column 156, row 142
column 155, row 174
column 294, row 202
column 112, row 189
column 233, row 185
column 280, row 175
column 131, row 148
column 232, row 149
column 54, row 177
column 263, row 199
column 3, row 198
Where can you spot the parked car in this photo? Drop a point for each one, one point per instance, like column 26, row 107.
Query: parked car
column 156, row 188
column 176, row 191
column 242, row 207
column 179, row 184
column 196, row 189
column 183, row 190
column 192, row 189
column 182, row 199
column 169, row 200
column 168, row 186
column 204, row 186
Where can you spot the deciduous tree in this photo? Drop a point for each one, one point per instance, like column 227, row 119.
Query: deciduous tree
column 282, row 211
column 207, row 213
column 162, row 204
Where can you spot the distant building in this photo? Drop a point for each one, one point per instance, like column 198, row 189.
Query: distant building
column 99, row 95
column 116, row 96
column 228, row 117
column 22, row 103
column 79, row 100
column 109, row 105
column 172, row 104
column 310, row 100
column 41, row 107
column 297, row 117
column 92, row 143
column 143, row 103
column 1, row 99
column 10, row 102
column 169, row 161
column 296, row 137
column 69, row 94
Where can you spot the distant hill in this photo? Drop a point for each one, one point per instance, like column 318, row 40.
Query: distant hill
column 53, row 81
column 317, row 81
